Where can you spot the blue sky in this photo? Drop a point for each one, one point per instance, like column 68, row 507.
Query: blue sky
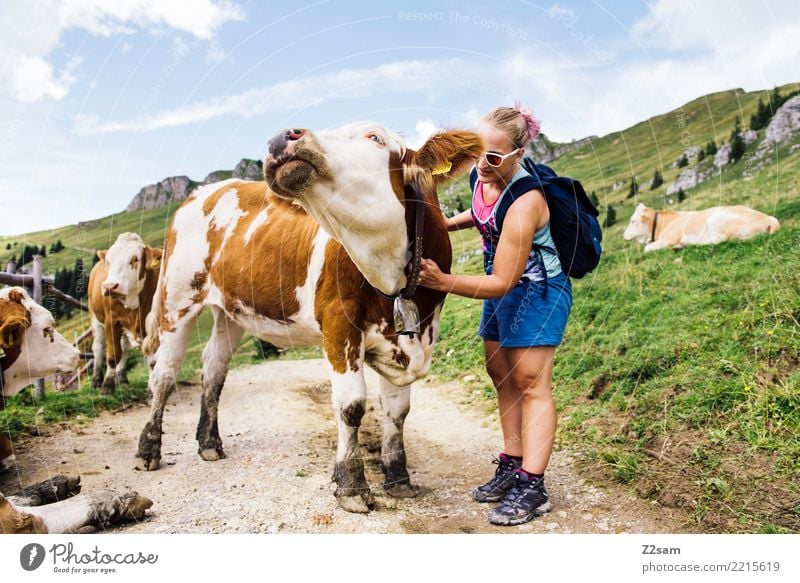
column 101, row 98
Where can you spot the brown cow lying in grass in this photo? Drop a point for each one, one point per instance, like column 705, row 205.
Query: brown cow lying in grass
column 676, row 229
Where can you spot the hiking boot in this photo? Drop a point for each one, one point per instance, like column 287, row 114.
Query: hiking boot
column 526, row 499
column 495, row 489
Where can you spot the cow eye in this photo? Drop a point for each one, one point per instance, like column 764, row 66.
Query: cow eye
column 377, row 138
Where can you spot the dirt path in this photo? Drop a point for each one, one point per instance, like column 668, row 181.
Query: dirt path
column 279, row 435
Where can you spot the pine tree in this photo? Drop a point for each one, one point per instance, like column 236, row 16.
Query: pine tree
column 611, row 217
column 775, row 100
column 737, row 142
column 634, row 188
column 594, row 200
column 658, row 180
column 701, row 155
column 683, row 161
column 711, row 148
column 8, row 246
column 681, row 195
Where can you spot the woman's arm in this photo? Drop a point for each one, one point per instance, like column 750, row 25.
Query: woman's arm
column 462, row 220
column 512, row 254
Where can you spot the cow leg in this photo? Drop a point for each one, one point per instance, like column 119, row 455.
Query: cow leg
column 100, row 509
column 98, row 351
column 217, row 354
column 349, row 392
column 122, row 365
column 114, row 355
column 395, row 404
column 6, row 453
column 169, row 358
column 56, row 488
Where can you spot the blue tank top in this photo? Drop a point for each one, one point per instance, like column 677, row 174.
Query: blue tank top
column 541, row 265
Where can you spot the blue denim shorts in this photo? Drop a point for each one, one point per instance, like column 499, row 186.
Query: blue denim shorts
column 523, row 318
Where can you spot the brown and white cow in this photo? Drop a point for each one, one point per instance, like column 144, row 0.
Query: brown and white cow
column 52, row 507
column 676, row 229
column 30, row 348
column 298, row 262
column 121, row 288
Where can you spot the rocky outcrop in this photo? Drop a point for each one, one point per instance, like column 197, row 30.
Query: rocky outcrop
column 177, row 188
column 249, row 170
column 171, row 189
column 689, row 178
column 784, row 125
column 217, row 176
column 690, row 153
column 543, row 151
column 723, row 155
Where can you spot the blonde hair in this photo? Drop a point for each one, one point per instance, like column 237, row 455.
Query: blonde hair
column 517, row 122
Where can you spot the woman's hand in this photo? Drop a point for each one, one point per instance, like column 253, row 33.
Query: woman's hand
column 431, row 276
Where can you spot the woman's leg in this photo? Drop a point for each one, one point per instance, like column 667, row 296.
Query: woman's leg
column 531, row 371
column 508, row 398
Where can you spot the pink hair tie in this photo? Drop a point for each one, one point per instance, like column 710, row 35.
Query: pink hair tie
column 532, row 124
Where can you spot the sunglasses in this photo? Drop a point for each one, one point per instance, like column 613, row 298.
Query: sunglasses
column 494, row 159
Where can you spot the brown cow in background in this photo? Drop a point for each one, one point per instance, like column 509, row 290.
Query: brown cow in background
column 121, row 288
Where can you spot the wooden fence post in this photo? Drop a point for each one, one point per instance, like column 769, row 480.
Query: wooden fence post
column 37, row 297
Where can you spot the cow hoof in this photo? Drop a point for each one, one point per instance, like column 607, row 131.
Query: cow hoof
column 360, row 504
column 212, row 455
column 7, row 463
column 132, row 506
column 62, row 487
column 123, row 379
column 151, row 465
column 109, row 508
column 405, row 490
column 97, row 383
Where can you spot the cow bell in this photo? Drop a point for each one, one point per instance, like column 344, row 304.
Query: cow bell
column 406, row 317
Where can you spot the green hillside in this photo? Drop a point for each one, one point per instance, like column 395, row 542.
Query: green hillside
column 679, row 375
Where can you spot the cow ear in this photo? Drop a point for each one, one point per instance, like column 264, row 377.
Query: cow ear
column 154, row 256
column 450, row 153
column 11, row 331
column 101, row 253
column 16, row 295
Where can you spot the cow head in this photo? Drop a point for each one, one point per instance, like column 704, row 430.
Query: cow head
column 640, row 226
column 128, row 260
column 351, row 180
column 30, row 344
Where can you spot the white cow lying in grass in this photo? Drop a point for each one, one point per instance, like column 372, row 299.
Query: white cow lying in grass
column 676, row 229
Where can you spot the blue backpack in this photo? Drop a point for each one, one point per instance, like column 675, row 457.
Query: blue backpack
column 573, row 218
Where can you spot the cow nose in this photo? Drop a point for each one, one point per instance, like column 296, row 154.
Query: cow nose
column 111, row 287
column 279, row 142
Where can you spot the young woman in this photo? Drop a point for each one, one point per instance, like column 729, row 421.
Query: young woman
column 527, row 302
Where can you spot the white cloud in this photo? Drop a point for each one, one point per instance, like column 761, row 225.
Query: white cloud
column 393, row 78
column 33, row 78
column 215, row 54
column 30, row 32
column 425, row 128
